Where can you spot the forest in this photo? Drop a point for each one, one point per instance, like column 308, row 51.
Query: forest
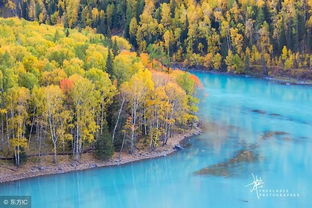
column 267, row 37
column 68, row 91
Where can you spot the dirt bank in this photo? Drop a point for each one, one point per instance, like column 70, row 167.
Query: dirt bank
column 9, row 173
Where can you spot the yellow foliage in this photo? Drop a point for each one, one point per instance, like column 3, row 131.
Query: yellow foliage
column 122, row 43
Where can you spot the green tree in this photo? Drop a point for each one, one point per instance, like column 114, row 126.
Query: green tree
column 104, row 148
column 109, row 64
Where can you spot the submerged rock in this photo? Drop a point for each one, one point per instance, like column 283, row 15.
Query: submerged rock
column 216, row 170
column 271, row 134
column 286, row 138
column 186, row 143
column 243, row 156
column 266, row 113
column 258, row 111
column 178, row 147
column 226, row 168
column 275, row 114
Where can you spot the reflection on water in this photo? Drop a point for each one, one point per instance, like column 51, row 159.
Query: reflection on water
column 250, row 126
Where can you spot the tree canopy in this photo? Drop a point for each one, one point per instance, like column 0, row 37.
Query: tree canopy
column 66, row 91
column 240, row 36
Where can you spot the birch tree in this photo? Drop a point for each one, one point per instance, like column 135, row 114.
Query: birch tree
column 17, row 103
column 56, row 115
column 84, row 102
column 136, row 90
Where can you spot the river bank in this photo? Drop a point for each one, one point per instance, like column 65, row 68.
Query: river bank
column 279, row 80
column 274, row 77
column 9, row 173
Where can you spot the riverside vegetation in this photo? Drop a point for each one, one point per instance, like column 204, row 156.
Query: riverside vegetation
column 64, row 91
column 266, row 37
column 69, row 87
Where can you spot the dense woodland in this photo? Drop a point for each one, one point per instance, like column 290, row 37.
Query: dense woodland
column 241, row 36
column 69, row 91
column 99, row 78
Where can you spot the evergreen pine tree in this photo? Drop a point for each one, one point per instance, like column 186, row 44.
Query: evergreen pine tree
column 104, row 148
column 67, row 32
column 109, row 64
column 115, row 48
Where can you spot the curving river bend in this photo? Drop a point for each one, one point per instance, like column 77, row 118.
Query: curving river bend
column 251, row 126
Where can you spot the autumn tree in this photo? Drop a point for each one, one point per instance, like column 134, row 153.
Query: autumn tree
column 57, row 117
column 85, row 99
column 136, row 90
column 17, row 103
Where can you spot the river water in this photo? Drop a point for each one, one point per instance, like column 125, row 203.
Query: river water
column 253, row 129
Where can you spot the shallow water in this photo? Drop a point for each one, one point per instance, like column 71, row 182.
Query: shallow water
column 272, row 121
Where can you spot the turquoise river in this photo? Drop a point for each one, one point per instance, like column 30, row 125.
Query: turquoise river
column 252, row 129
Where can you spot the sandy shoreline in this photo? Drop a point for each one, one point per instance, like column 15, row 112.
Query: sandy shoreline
column 10, row 173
